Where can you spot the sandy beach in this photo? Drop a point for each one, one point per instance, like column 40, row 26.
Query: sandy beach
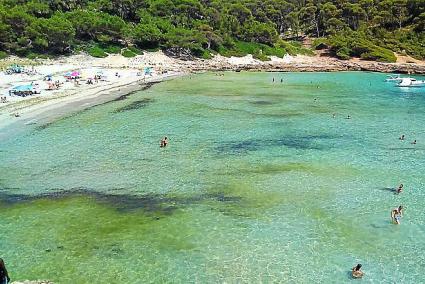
column 119, row 75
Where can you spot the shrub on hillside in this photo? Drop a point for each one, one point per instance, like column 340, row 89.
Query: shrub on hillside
column 379, row 54
column 97, row 52
column 320, row 43
column 294, row 48
column 355, row 44
column 111, row 49
column 128, row 53
column 135, row 50
column 343, row 53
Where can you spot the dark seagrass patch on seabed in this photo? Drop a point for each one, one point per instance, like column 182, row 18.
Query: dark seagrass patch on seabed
column 120, row 98
column 50, row 123
column 306, row 142
column 261, row 103
column 124, row 97
column 151, row 203
column 135, row 105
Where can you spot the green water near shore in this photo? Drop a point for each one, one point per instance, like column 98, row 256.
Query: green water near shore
column 259, row 184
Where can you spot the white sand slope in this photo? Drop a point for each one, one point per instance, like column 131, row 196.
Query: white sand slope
column 116, row 71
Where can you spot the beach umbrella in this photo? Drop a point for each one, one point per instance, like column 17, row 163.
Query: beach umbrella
column 23, row 88
column 75, row 74
column 15, row 68
column 148, row 70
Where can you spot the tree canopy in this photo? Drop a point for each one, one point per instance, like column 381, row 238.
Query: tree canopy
column 371, row 29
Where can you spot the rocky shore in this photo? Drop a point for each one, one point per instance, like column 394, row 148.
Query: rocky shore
column 306, row 64
column 321, row 62
column 184, row 63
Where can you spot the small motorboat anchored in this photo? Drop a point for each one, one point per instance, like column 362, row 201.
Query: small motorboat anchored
column 411, row 82
column 393, row 78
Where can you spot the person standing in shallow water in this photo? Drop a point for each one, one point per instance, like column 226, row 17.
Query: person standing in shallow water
column 400, row 189
column 4, row 276
column 164, row 142
column 396, row 214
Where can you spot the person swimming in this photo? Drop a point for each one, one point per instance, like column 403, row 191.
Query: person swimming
column 4, row 276
column 400, row 189
column 164, row 142
column 348, row 116
column 414, row 142
column 396, row 214
column 401, row 137
column 357, row 272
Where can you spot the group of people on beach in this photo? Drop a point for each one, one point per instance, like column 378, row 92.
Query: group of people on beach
column 95, row 79
column 3, row 99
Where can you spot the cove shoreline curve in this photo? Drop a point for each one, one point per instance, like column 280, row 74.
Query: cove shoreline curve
column 48, row 109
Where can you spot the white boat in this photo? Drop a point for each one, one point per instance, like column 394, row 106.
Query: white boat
column 411, row 82
column 393, row 78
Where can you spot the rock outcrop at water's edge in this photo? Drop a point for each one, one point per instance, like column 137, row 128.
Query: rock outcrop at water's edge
column 304, row 64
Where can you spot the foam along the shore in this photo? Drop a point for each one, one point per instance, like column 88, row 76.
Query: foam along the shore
column 112, row 77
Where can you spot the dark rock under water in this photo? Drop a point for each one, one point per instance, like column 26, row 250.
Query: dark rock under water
column 135, row 105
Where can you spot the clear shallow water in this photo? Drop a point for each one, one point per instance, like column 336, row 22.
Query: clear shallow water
column 259, row 184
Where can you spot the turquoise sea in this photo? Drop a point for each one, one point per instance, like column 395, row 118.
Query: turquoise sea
column 259, row 184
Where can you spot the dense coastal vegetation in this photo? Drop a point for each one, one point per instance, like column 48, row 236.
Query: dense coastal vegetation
column 370, row 29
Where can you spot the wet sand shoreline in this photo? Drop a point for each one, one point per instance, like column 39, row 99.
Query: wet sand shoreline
column 44, row 112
